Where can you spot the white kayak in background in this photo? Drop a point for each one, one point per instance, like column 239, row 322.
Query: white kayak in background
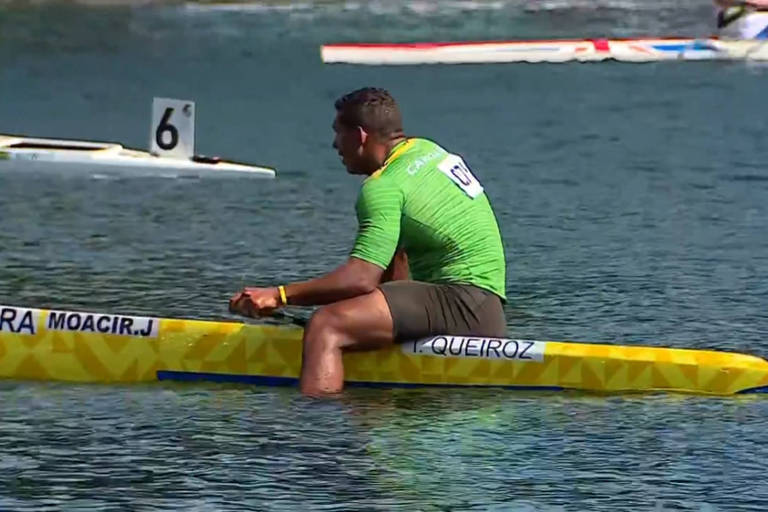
column 171, row 151
column 111, row 157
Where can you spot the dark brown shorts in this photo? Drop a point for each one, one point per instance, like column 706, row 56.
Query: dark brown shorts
column 424, row 309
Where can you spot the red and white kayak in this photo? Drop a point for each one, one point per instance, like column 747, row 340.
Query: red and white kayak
column 563, row 50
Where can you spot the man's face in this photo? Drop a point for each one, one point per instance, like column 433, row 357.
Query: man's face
column 349, row 142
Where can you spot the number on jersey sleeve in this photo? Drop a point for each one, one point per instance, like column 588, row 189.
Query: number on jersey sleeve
column 454, row 167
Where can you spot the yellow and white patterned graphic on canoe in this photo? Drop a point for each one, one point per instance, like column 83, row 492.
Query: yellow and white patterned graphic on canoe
column 91, row 347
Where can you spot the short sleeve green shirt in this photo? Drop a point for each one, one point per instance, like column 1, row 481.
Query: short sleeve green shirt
column 428, row 202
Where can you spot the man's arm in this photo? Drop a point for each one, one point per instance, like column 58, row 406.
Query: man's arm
column 353, row 278
column 379, row 211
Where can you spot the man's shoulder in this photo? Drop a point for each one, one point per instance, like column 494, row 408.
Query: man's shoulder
column 420, row 146
column 378, row 183
column 419, row 154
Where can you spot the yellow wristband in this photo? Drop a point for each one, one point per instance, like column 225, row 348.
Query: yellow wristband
column 283, row 297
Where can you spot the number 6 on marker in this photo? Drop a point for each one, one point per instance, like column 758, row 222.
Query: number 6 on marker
column 173, row 128
column 164, row 127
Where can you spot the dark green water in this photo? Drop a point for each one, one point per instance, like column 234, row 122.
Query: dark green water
column 632, row 201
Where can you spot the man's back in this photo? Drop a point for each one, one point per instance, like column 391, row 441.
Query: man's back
column 427, row 201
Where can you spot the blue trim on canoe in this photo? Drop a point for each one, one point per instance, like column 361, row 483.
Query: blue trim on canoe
column 681, row 47
column 760, row 389
column 290, row 381
column 225, row 377
column 763, row 34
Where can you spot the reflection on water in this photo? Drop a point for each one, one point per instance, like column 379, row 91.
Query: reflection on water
column 226, row 447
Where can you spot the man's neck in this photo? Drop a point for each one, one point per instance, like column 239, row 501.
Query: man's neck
column 390, row 145
column 384, row 151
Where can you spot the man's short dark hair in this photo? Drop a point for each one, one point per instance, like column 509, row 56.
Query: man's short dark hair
column 372, row 108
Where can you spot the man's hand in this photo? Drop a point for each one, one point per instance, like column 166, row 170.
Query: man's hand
column 255, row 301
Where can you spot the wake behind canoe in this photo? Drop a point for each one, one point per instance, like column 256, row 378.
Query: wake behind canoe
column 77, row 346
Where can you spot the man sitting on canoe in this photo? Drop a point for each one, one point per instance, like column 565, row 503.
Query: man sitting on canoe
column 420, row 210
column 742, row 19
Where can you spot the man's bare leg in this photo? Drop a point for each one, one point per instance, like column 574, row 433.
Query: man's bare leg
column 361, row 323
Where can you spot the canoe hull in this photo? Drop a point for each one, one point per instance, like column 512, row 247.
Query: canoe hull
column 90, row 347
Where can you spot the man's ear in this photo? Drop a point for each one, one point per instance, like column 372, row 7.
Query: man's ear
column 362, row 134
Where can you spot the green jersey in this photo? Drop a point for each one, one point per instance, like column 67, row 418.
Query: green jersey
column 428, row 202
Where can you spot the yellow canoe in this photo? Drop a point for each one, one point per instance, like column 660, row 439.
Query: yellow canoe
column 92, row 347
